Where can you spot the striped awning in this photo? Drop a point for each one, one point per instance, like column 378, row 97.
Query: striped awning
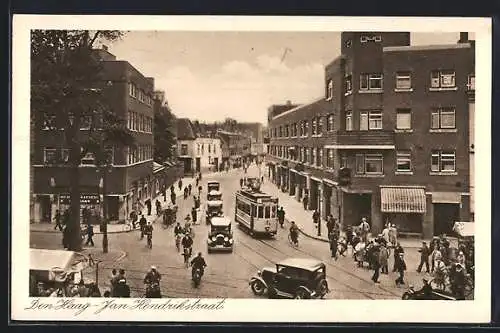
column 403, row 200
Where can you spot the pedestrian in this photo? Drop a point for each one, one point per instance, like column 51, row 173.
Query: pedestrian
column 199, row 189
column 122, row 289
column 281, row 216
column 190, row 188
column 197, row 181
column 397, row 251
column 90, row 234
column 393, row 234
column 424, row 257
column 384, row 259
column 91, row 260
column 172, row 189
column 172, row 198
column 142, row 224
column 329, row 223
column 316, row 218
column 58, row 219
column 385, row 233
column 194, row 214
column 185, row 192
column 180, row 184
column 400, row 268
column 305, row 201
column 164, row 192
column 375, row 262
column 113, row 280
column 332, row 237
column 133, row 218
column 365, row 229
column 158, row 207
column 148, row 205
column 241, row 182
column 434, row 249
column 199, row 175
column 262, row 179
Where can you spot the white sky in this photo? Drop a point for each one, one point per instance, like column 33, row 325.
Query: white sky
column 213, row 75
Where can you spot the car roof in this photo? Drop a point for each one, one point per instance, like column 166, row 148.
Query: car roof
column 304, row 263
column 220, row 221
column 214, row 203
column 213, row 182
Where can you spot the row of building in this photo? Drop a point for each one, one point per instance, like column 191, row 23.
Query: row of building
column 392, row 139
column 205, row 147
column 132, row 175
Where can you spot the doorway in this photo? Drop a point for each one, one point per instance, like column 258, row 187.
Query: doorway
column 113, row 208
column 45, row 209
column 445, row 215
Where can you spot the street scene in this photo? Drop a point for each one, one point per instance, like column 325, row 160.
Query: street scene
column 345, row 172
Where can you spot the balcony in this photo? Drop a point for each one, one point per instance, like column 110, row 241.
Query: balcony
column 379, row 139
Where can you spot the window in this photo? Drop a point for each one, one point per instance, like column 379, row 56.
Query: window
column 471, row 82
column 403, row 80
column 371, row 164
column 88, row 159
column 443, row 161
column 287, row 130
column 131, row 89
column 301, row 128
column 443, row 118
column 267, row 212
column 306, row 127
column 403, row 161
column 65, row 155
column 184, row 149
column 85, row 122
column 344, row 162
column 329, row 123
column 329, row 158
column 348, row 84
column 329, row 90
column 314, row 156
column 49, row 122
column 348, row 121
column 109, row 155
column 294, row 129
column 50, row 156
column 319, row 129
column 363, row 121
column 363, row 39
column 368, row 82
column 403, row 119
column 314, row 128
column 348, row 43
column 375, row 120
column 443, row 79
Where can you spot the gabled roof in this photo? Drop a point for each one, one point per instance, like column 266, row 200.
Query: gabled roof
column 185, row 129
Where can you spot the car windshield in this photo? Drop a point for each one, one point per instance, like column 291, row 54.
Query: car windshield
column 220, row 229
column 214, row 208
column 294, row 272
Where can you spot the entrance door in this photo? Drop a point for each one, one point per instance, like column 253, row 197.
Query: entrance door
column 113, row 208
column 445, row 215
column 216, row 163
column 187, row 165
column 45, row 209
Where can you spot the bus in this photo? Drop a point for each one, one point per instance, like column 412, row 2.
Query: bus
column 256, row 212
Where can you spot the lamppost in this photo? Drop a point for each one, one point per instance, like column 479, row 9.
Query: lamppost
column 107, row 168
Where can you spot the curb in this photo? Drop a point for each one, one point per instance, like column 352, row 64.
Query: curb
column 95, row 233
column 312, row 237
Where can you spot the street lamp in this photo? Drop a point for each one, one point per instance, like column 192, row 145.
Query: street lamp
column 104, row 224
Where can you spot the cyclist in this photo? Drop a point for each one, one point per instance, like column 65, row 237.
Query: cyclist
column 178, row 232
column 187, row 243
column 198, row 262
column 148, row 231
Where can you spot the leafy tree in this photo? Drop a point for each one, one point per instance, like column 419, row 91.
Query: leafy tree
column 68, row 91
column 164, row 133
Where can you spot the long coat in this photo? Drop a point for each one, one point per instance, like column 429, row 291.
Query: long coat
column 383, row 256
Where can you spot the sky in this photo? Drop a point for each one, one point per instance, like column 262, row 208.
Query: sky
column 213, row 75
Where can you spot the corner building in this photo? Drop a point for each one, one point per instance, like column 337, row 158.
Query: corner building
column 390, row 140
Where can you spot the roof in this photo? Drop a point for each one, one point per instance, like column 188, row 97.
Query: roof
column 220, row 221
column 213, row 181
column 309, row 264
column 426, row 47
column 464, row 229
column 214, row 192
column 185, row 129
column 313, row 106
column 47, row 260
column 214, row 203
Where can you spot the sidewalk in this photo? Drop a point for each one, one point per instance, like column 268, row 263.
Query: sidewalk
column 294, row 211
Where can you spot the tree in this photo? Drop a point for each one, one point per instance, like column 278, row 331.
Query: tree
column 67, row 91
column 164, row 134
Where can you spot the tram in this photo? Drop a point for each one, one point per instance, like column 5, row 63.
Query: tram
column 256, row 212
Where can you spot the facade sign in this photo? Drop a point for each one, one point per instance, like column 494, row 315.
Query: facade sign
column 85, row 199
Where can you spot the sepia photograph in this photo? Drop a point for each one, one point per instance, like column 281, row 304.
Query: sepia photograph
column 317, row 165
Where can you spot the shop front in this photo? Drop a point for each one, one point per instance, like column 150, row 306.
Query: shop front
column 404, row 206
column 448, row 208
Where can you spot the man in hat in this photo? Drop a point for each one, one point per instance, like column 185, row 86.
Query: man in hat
column 400, row 268
column 424, row 257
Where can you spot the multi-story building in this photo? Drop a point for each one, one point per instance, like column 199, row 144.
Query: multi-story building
column 197, row 153
column 129, row 94
column 236, row 147
column 390, row 140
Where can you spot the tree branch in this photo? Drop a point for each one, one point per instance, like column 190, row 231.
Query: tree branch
column 96, row 34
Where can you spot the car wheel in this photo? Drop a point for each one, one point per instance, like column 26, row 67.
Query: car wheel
column 301, row 294
column 258, row 288
column 322, row 288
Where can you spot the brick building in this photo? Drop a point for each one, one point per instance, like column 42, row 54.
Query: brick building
column 392, row 138
column 129, row 93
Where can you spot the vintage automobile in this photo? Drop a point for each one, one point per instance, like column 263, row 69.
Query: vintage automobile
column 297, row 278
column 220, row 236
column 214, row 195
column 435, row 294
column 213, row 185
column 213, row 208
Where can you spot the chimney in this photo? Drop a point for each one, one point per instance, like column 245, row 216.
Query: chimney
column 464, row 37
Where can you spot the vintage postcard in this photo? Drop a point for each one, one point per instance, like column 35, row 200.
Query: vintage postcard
column 270, row 169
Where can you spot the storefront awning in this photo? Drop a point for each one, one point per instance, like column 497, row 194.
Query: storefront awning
column 403, row 200
column 446, row 197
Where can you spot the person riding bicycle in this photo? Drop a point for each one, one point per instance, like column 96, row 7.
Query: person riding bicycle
column 153, row 276
column 198, row 262
column 187, row 243
column 294, row 232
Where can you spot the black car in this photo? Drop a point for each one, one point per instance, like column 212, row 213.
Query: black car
column 220, row 236
column 296, row 278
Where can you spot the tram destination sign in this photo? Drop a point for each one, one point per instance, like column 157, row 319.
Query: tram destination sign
column 85, row 199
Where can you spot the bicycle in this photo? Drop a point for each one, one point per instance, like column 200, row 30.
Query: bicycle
column 178, row 239
column 150, row 241
column 186, row 254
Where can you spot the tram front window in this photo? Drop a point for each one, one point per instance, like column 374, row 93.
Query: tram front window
column 273, row 212
column 267, row 212
column 261, row 212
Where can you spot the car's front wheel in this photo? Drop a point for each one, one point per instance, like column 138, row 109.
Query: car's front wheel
column 258, row 288
column 301, row 294
column 322, row 288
